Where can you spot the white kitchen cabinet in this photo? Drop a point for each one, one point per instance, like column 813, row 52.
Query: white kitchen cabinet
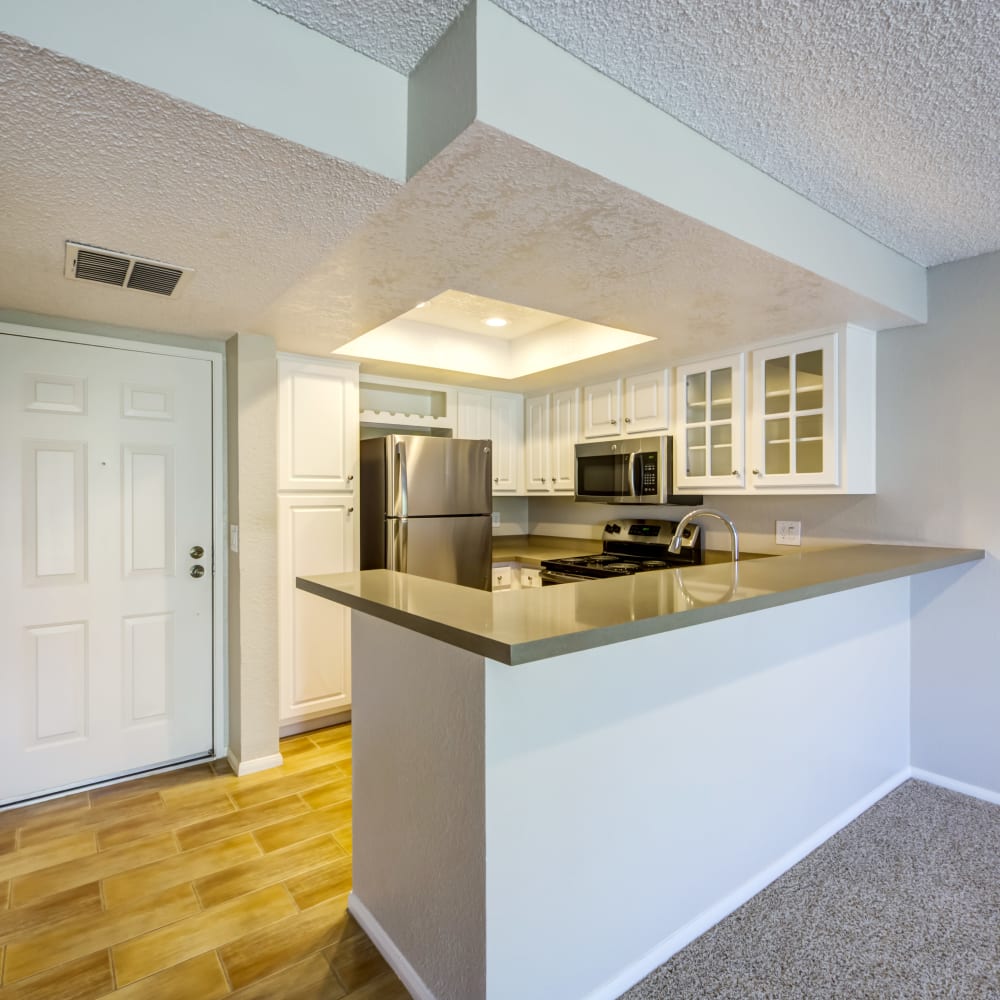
column 317, row 424
column 806, row 418
column 499, row 417
column 507, row 423
column 709, row 425
column 794, row 417
column 474, row 416
column 551, row 425
column 316, row 534
column 318, row 430
column 647, row 403
column 602, row 409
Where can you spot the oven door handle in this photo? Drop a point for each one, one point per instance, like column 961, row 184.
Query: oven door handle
column 553, row 576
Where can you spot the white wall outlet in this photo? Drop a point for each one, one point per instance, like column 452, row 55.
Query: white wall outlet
column 788, row 532
column 234, row 538
column 496, row 518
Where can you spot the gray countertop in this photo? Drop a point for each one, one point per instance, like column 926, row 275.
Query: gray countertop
column 519, row 626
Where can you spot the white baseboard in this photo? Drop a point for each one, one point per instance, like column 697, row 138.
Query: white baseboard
column 320, row 722
column 986, row 794
column 707, row 919
column 242, row 767
column 416, row 987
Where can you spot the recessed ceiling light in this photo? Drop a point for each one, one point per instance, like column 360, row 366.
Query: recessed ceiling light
column 496, row 321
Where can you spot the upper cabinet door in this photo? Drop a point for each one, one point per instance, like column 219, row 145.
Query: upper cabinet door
column 794, row 414
column 647, row 403
column 709, row 425
column 564, row 428
column 318, row 425
column 536, row 444
column 602, row 409
column 474, row 415
column 507, row 410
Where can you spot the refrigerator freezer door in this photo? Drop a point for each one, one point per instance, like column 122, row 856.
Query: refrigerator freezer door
column 454, row 549
column 430, row 477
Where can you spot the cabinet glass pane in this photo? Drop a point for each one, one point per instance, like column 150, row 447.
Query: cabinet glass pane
column 809, row 380
column 777, row 385
column 722, row 394
column 722, row 450
column 695, row 397
column 696, row 460
column 777, row 447
column 809, row 443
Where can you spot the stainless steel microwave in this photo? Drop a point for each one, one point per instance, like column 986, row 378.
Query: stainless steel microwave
column 628, row 470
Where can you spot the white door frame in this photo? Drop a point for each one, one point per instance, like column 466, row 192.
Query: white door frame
column 220, row 583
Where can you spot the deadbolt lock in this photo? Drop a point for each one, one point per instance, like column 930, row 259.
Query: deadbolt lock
column 196, row 552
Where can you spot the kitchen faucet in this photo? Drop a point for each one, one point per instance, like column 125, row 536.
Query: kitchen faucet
column 675, row 542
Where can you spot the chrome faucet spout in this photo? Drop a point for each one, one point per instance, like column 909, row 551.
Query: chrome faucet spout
column 691, row 515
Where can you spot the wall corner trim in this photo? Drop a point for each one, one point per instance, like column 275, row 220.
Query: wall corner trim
column 242, row 767
column 387, row 948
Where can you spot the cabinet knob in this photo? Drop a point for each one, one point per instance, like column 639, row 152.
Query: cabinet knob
column 350, row 510
column 614, row 421
column 496, row 479
column 350, row 477
column 553, row 479
column 756, row 472
column 628, row 420
column 736, row 472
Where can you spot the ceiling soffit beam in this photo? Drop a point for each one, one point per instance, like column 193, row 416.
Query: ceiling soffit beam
column 237, row 59
column 549, row 98
column 491, row 68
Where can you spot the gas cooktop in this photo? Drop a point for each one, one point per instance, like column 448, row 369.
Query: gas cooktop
column 629, row 546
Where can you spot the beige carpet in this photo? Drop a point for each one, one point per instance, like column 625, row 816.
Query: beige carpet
column 902, row 903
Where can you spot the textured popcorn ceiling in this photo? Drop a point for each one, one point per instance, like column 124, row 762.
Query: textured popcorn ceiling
column 90, row 157
column 884, row 112
column 497, row 217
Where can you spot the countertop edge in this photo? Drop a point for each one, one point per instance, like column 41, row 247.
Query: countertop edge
column 517, row 653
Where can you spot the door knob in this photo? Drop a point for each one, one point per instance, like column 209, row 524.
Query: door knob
column 197, row 571
column 196, row 552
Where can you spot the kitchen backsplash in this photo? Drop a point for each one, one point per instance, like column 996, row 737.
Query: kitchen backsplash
column 825, row 519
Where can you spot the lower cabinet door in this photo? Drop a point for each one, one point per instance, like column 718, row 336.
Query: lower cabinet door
column 316, row 535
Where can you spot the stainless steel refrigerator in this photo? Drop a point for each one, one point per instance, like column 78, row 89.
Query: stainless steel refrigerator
column 426, row 507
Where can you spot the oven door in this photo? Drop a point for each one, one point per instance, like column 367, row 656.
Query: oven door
column 550, row 577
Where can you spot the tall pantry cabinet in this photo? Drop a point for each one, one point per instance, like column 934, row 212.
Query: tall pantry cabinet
column 317, row 533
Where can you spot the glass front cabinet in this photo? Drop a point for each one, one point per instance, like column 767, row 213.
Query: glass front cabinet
column 709, row 425
column 794, row 414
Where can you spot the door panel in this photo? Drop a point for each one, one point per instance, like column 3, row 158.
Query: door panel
column 443, row 476
column 453, row 549
column 105, row 636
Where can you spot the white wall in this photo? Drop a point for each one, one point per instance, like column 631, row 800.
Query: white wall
column 938, row 483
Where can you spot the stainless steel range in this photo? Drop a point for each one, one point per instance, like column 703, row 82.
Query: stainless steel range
column 628, row 546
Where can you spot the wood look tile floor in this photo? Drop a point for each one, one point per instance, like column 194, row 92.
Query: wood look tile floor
column 194, row 885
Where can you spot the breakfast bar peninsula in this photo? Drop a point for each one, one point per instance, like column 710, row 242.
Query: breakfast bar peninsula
column 558, row 788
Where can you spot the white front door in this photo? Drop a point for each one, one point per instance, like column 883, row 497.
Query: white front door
column 105, row 617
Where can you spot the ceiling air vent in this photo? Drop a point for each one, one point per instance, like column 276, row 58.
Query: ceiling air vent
column 85, row 263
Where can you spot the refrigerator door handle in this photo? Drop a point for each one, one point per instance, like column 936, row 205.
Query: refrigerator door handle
column 402, row 540
column 402, row 502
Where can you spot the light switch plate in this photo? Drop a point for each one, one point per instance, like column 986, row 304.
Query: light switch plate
column 788, row 532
